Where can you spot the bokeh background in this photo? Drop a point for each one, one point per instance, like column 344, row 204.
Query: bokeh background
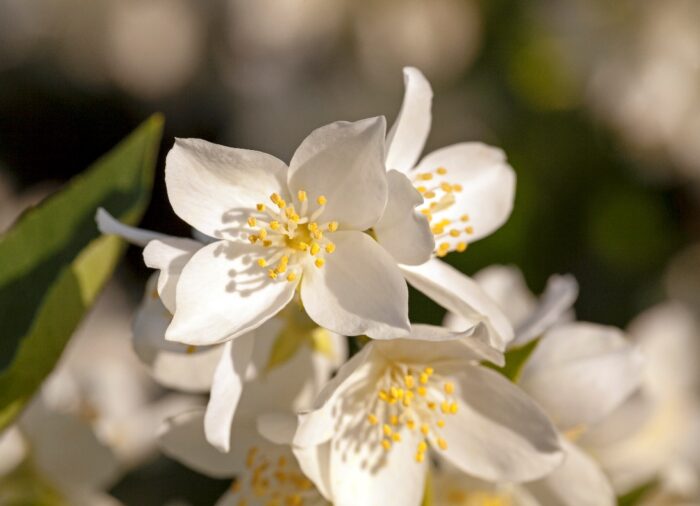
column 596, row 103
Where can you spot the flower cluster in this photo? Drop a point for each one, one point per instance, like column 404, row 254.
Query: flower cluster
column 290, row 260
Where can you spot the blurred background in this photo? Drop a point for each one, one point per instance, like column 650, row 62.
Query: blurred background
column 596, row 103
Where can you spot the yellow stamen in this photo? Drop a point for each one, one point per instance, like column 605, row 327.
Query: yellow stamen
column 386, row 444
column 260, row 207
column 449, row 387
column 252, row 221
column 333, row 226
column 372, row 419
column 291, row 276
column 330, row 247
column 301, row 195
column 321, row 200
column 319, row 262
column 262, row 262
column 441, row 170
column 442, row 443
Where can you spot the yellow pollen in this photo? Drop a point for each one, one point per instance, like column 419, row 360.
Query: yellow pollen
column 410, row 424
column 422, row 447
column 372, row 419
column 409, row 380
column 441, row 423
column 426, row 177
column 301, row 195
column 262, row 234
column 267, row 243
column 394, row 420
column 319, row 262
column 446, row 187
column 387, row 430
column 262, row 262
column 291, row 276
column 330, row 247
column 272, row 274
column 252, row 238
column 383, row 395
column 449, row 387
column 464, row 217
column 429, row 371
column 191, row 349
column 445, row 407
column 252, row 221
column 469, row 230
column 457, row 187
column 420, row 457
column 302, row 246
column 432, row 405
column 315, row 248
column 442, row 443
column 461, row 247
column 423, row 379
column 386, row 444
column 260, row 207
column 333, row 226
column 313, row 226
column 396, row 437
column 454, row 232
column 441, row 170
column 453, row 408
column 429, row 194
column 422, row 391
column 321, row 200
column 275, row 225
column 421, row 189
column 425, row 429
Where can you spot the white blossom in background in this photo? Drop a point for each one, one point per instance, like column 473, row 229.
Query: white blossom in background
column 367, row 438
column 655, row 434
column 265, row 469
column 451, row 487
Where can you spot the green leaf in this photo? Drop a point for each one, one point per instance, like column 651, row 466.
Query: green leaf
column 54, row 262
column 515, row 360
column 634, row 496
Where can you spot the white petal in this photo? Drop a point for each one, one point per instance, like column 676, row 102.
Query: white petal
column 427, row 344
column 58, row 438
column 552, row 308
column 226, row 390
column 488, row 187
column 458, row 293
column 506, row 286
column 344, row 162
column 410, row 130
column 12, row 450
column 107, row 224
column 314, row 462
column 214, row 188
column 402, row 231
column 318, row 425
column 278, row 428
column 364, row 473
column 359, row 290
column 499, row 433
column 169, row 255
column 579, row 481
column 182, row 438
column 223, row 293
column 580, row 372
column 173, row 365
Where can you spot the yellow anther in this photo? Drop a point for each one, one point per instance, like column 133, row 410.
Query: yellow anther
column 191, row 349
column 441, row 170
column 291, row 276
column 262, row 262
column 431, row 405
column 262, row 234
column 422, row 391
column 446, row 187
column 394, row 420
column 429, row 371
column 260, row 207
column 421, row 189
column 315, row 248
column 275, row 225
column 281, row 268
column 386, row 444
column 410, row 424
column 302, row 246
column 464, row 217
column 301, row 195
column 441, row 423
column 423, row 378
column 272, row 274
column 449, row 387
column 275, row 198
column 319, row 262
column 372, row 419
column 461, row 247
column 422, row 447
column 317, row 234
column 445, row 407
column 383, row 395
column 469, row 230
column 420, row 457
column 387, row 430
column 442, row 443
column 252, row 221
column 396, row 437
column 330, row 247
column 426, row 176
column 425, row 429
column 437, row 229
column 312, row 226
column 333, row 226
column 425, row 211
column 267, row 243
column 252, row 238
column 453, row 408
column 454, row 232
column 429, row 194
column 457, row 187
column 409, row 380
column 321, row 200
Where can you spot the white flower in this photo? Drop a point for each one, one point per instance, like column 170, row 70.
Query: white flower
column 579, row 373
column 265, row 469
column 655, row 434
column 467, row 192
column 450, row 487
column 366, row 440
column 529, row 316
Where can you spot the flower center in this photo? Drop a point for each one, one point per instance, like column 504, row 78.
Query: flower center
column 273, row 480
column 439, row 195
column 291, row 236
column 417, row 400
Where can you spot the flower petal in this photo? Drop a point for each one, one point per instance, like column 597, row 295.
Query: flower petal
column 344, row 162
column 580, row 372
column 358, row 291
column 363, row 473
column 278, row 428
column 499, row 433
column 407, row 136
column 222, row 293
column 109, row 225
column 487, row 188
column 579, row 481
column 213, row 188
column 458, row 293
column 314, row 463
column 226, row 390
column 13, row 450
column 169, row 255
column 402, row 231
column 182, row 438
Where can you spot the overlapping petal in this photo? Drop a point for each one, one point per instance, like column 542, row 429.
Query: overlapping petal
column 360, row 290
